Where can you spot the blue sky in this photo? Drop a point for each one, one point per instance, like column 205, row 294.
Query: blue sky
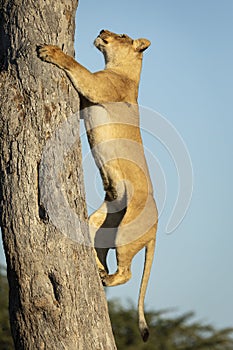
column 187, row 77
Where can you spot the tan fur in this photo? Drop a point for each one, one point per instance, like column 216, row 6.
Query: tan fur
column 127, row 220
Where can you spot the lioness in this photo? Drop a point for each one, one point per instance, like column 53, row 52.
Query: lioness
column 127, row 219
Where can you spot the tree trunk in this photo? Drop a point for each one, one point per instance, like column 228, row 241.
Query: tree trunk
column 56, row 297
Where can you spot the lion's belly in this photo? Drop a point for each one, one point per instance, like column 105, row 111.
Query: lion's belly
column 114, row 137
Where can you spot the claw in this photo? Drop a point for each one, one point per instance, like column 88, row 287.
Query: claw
column 39, row 47
column 103, row 275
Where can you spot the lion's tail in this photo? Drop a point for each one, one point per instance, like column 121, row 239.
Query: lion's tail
column 149, row 255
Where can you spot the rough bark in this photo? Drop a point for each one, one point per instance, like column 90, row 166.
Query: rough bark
column 56, row 297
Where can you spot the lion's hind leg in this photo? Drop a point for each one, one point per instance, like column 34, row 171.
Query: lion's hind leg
column 123, row 273
column 96, row 220
column 134, row 233
column 103, row 225
column 124, row 254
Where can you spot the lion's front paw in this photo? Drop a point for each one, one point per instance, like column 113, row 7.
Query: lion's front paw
column 49, row 53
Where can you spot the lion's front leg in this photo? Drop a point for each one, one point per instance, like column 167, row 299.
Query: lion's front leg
column 53, row 54
column 83, row 80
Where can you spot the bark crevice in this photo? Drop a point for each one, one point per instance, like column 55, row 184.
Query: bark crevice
column 57, row 288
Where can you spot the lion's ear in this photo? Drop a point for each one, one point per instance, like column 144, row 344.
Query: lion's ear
column 141, row 45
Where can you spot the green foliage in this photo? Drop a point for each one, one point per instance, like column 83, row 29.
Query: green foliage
column 178, row 333
column 6, row 342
